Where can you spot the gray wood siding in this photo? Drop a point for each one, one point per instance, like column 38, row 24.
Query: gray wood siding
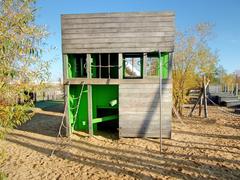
column 118, row 32
column 139, row 110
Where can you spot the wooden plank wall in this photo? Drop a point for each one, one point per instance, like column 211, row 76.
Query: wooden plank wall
column 118, row 32
column 139, row 110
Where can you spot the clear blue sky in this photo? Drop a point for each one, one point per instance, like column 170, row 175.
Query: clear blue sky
column 224, row 14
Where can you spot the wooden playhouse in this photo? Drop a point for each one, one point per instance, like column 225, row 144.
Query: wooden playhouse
column 112, row 74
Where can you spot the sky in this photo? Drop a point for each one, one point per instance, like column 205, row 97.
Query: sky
column 224, row 14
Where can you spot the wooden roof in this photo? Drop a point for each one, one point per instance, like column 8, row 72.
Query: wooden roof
column 118, row 32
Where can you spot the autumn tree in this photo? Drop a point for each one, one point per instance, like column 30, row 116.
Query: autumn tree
column 21, row 64
column 192, row 59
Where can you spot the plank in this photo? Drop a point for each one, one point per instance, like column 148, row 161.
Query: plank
column 140, row 125
column 166, row 31
column 147, row 113
column 118, row 14
column 139, row 118
column 116, row 45
column 148, row 133
column 116, row 50
column 144, row 95
column 118, row 25
column 145, row 81
column 127, row 34
column 118, row 40
column 139, row 90
column 143, row 86
column 118, row 19
column 136, row 109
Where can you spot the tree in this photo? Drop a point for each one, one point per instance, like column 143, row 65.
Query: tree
column 21, row 64
column 192, row 59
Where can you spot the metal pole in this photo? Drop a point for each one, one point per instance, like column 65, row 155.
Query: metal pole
column 160, row 98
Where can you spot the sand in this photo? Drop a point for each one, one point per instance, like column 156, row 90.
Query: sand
column 199, row 149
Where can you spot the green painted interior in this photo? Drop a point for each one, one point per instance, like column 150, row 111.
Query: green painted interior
column 81, row 122
column 76, row 63
column 165, row 61
column 102, row 96
column 71, row 66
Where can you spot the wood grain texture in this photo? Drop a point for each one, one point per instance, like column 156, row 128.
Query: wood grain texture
column 147, row 81
column 126, row 14
column 139, row 110
column 118, row 32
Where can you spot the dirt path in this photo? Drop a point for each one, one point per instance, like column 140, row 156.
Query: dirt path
column 199, row 149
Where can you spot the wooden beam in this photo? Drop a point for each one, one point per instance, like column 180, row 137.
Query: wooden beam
column 148, row 80
column 89, row 66
column 170, row 63
column 160, row 99
column 100, row 64
column 90, row 125
column 66, row 89
column 144, row 65
column 120, row 65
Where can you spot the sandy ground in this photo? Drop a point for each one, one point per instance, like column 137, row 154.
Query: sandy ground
column 199, row 149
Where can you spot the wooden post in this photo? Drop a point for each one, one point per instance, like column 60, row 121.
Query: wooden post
column 66, row 90
column 109, row 63
column 198, row 100
column 144, row 65
column 160, row 99
column 120, row 65
column 100, row 66
column 205, row 96
column 89, row 86
column 90, row 125
column 170, row 63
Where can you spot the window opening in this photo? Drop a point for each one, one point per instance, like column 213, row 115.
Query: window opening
column 133, row 66
column 105, row 65
column 153, row 63
column 77, row 65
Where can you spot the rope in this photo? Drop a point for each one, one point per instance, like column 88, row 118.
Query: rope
column 59, row 135
column 78, row 104
column 60, row 129
column 223, row 110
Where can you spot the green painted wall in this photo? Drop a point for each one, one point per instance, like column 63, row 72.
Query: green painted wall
column 165, row 59
column 82, row 116
column 102, row 95
column 71, row 66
